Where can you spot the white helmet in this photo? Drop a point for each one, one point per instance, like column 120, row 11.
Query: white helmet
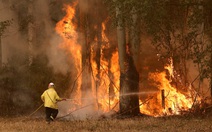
column 51, row 84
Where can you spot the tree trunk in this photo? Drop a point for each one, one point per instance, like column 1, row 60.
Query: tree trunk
column 30, row 31
column 135, row 38
column 133, row 74
column 124, row 87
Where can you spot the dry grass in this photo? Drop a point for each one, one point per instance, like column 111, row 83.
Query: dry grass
column 141, row 124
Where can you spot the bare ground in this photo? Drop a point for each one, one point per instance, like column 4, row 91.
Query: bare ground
column 141, row 124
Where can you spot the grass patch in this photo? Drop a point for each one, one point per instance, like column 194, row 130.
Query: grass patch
column 132, row 125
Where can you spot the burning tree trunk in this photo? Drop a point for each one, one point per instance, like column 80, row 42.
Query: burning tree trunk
column 98, row 48
column 99, row 38
column 98, row 56
column 86, row 68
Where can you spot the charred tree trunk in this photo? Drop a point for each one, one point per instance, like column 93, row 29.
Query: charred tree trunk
column 98, row 48
column 133, row 84
column 133, row 75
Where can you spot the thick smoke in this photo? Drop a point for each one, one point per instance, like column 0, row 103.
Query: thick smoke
column 15, row 46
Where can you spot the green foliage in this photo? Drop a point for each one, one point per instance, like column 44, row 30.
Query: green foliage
column 179, row 28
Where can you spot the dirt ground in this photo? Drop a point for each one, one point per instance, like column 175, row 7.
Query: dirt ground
column 141, row 124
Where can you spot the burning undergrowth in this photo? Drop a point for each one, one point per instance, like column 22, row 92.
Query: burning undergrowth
column 169, row 99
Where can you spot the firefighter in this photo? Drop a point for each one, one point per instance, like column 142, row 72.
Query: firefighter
column 50, row 99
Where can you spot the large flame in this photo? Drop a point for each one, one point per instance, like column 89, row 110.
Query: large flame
column 67, row 30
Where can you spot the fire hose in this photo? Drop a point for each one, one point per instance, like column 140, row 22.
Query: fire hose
column 36, row 110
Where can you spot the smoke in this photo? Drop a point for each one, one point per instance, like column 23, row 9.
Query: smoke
column 87, row 110
column 57, row 58
column 45, row 41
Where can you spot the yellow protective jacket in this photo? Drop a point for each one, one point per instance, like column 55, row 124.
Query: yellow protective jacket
column 50, row 98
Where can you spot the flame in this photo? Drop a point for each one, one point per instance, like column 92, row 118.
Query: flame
column 67, row 30
column 174, row 100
